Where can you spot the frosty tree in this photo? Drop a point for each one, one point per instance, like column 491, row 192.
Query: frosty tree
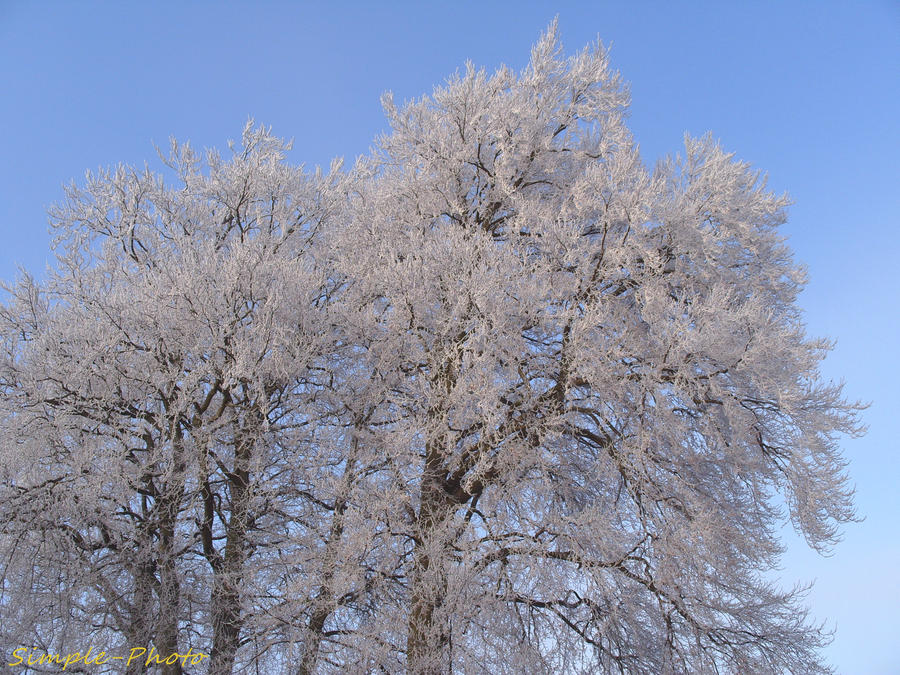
column 499, row 399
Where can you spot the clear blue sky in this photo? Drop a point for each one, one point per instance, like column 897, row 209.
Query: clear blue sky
column 807, row 91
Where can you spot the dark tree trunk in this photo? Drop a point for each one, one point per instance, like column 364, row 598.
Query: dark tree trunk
column 229, row 574
column 428, row 635
column 139, row 631
column 169, row 505
column 166, row 641
column 324, row 603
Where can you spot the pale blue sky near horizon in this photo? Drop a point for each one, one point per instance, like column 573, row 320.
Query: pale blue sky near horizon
column 808, row 92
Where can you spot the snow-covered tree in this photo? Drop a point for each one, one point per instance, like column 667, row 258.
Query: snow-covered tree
column 499, row 399
column 159, row 401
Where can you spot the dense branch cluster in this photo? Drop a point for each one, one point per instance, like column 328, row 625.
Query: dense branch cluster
column 498, row 399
